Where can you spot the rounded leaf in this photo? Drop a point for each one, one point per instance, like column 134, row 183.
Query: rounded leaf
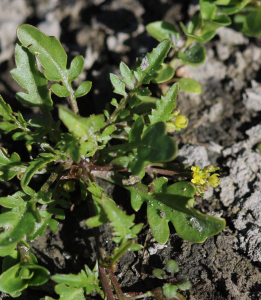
column 195, row 55
column 165, row 74
column 190, row 85
column 83, row 89
column 163, row 30
column 171, row 266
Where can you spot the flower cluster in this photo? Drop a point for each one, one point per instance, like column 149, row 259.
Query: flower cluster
column 178, row 122
column 202, row 178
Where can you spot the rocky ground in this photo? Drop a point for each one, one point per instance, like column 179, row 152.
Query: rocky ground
column 224, row 130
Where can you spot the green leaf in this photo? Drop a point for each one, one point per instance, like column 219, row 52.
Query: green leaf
column 149, row 66
column 123, row 226
column 165, row 74
column 12, row 202
column 17, row 224
column 195, row 55
column 83, row 89
column 84, row 128
column 10, row 166
column 190, row 85
column 127, row 75
column 136, row 131
column 230, row 7
column 165, row 106
column 21, row 275
column 174, row 204
column 34, row 166
column 68, row 293
column 11, row 283
column 5, row 110
column 60, row 90
column 51, row 55
column 161, row 30
column 85, row 279
column 73, row 146
column 7, row 127
column 208, row 10
column 252, row 23
column 155, row 146
column 198, row 39
column 31, row 79
column 76, row 68
column 217, row 22
column 118, row 84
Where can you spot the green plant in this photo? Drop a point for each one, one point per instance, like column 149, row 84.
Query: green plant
column 212, row 15
column 74, row 159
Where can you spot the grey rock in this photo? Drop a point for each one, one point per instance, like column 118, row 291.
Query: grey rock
column 231, row 37
column 215, row 111
column 223, row 51
column 252, row 98
column 51, row 26
column 194, row 155
column 12, row 14
column 243, row 170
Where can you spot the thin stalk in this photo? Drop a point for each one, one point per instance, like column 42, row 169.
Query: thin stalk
column 146, row 295
column 86, row 176
column 73, row 103
column 116, row 285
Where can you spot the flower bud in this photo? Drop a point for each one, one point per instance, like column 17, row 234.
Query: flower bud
column 214, row 181
column 181, row 121
column 210, row 168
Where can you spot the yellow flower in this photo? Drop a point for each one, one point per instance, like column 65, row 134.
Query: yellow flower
column 214, row 181
column 198, row 175
column 181, row 121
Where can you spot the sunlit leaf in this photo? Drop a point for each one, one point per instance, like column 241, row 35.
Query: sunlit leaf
column 127, row 75
column 83, row 89
column 118, row 84
column 10, row 166
column 151, row 63
column 31, row 79
column 190, row 85
column 68, row 293
column 174, row 204
column 161, row 30
column 165, row 74
column 81, row 127
column 165, row 106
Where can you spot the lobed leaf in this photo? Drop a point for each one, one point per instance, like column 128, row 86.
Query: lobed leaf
column 68, row 293
column 31, row 79
column 155, row 146
column 85, row 279
column 174, row 204
column 165, row 106
column 118, row 84
column 84, row 128
column 123, row 226
column 34, row 166
column 10, row 166
column 149, row 66
column 5, row 110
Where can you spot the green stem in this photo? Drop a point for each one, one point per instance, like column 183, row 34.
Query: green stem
column 146, row 295
column 73, row 102
column 121, row 251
